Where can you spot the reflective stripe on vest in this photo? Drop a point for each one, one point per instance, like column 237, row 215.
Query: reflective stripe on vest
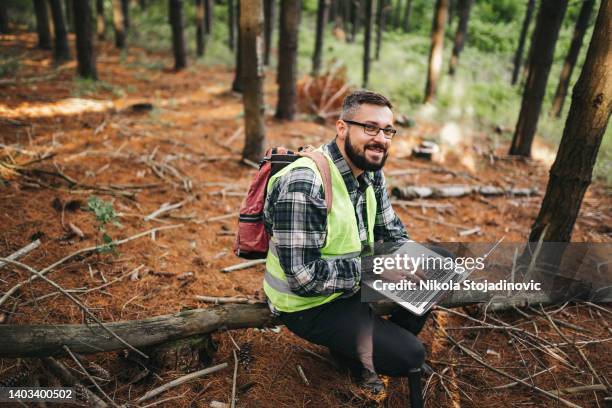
column 342, row 240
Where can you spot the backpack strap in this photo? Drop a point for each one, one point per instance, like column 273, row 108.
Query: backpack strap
column 323, row 166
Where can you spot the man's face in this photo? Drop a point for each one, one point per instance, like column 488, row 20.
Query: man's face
column 366, row 152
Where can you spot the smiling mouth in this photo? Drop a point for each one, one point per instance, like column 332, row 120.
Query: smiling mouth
column 376, row 149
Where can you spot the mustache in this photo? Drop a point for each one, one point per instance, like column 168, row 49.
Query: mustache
column 376, row 145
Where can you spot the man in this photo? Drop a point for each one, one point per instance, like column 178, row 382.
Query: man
column 313, row 269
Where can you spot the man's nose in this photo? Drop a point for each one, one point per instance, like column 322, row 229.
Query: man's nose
column 380, row 137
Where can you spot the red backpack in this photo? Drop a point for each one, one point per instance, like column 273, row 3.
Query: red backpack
column 251, row 237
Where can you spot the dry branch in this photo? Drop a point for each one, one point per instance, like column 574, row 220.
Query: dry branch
column 21, row 252
column 181, row 380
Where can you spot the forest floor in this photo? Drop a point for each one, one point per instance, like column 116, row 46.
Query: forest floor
column 71, row 139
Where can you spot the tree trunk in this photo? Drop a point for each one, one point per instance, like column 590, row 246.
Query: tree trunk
column 322, row 12
column 19, row 341
column 200, row 29
column 355, row 8
column 550, row 17
column 178, row 33
column 397, row 17
column 268, row 29
column 332, row 10
column 570, row 60
column 118, row 24
column 366, row 41
column 84, row 29
column 461, row 34
column 380, row 23
column 100, row 20
column 208, row 5
column 125, row 9
column 231, row 25
column 4, row 21
column 287, row 59
column 346, row 16
column 251, row 31
column 69, row 8
column 237, row 83
column 407, row 15
column 436, row 50
column 518, row 56
column 585, row 126
column 61, row 51
column 42, row 24
column 143, row 4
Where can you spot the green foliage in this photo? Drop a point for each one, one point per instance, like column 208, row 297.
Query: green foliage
column 105, row 214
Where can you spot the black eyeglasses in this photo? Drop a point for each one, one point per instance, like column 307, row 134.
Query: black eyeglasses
column 372, row 130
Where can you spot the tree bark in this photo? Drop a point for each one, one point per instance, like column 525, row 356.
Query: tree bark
column 287, row 59
column 42, row 25
column 237, row 83
column 178, row 33
column 208, row 5
column 268, row 28
column 355, row 8
column 118, row 24
column 380, row 26
column 100, row 20
column 18, row 341
column 461, row 34
column 397, row 17
column 550, row 17
column 231, row 25
column 322, row 12
column 518, row 56
column 407, row 15
column 4, row 21
column 367, row 39
column 436, row 50
column 69, row 7
column 585, row 126
column 251, row 32
column 84, row 29
column 572, row 55
column 125, row 9
column 200, row 28
column 61, row 51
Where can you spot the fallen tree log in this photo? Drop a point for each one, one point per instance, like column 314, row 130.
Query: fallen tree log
column 48, row 340
column 450, row 191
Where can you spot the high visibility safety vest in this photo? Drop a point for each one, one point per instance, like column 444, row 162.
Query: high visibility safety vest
column 342, row 239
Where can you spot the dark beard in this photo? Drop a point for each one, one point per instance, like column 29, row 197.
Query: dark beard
column 359, row 160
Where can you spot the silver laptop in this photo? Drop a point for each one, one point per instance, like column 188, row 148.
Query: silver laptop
column 421, row 297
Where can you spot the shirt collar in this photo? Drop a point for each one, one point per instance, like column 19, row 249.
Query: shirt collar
column 352, row 182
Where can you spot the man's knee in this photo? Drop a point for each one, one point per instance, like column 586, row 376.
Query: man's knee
column 397, row 355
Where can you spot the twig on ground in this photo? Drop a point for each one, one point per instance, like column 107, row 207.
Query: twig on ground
column 15, row 288
column 223, row 217
column 21, row 252
column 76, row 360
column 233, row 402
column 302, row 375
column 166, row 207
column 512, row 384
column 478, row 359
column 244, row 265
column 181, row 380
column 223, row 300
column 60, row 371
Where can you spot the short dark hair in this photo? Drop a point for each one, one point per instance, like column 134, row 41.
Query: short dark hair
column 354, row 100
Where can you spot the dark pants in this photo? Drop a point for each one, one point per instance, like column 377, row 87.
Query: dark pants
column 349, row 328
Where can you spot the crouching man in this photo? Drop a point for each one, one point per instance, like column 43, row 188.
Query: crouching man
column 313, row 269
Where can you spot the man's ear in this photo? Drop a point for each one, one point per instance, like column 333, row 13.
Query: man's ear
column 341, row 127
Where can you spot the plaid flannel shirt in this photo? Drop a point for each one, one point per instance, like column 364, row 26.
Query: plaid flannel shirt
column 296, row 215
